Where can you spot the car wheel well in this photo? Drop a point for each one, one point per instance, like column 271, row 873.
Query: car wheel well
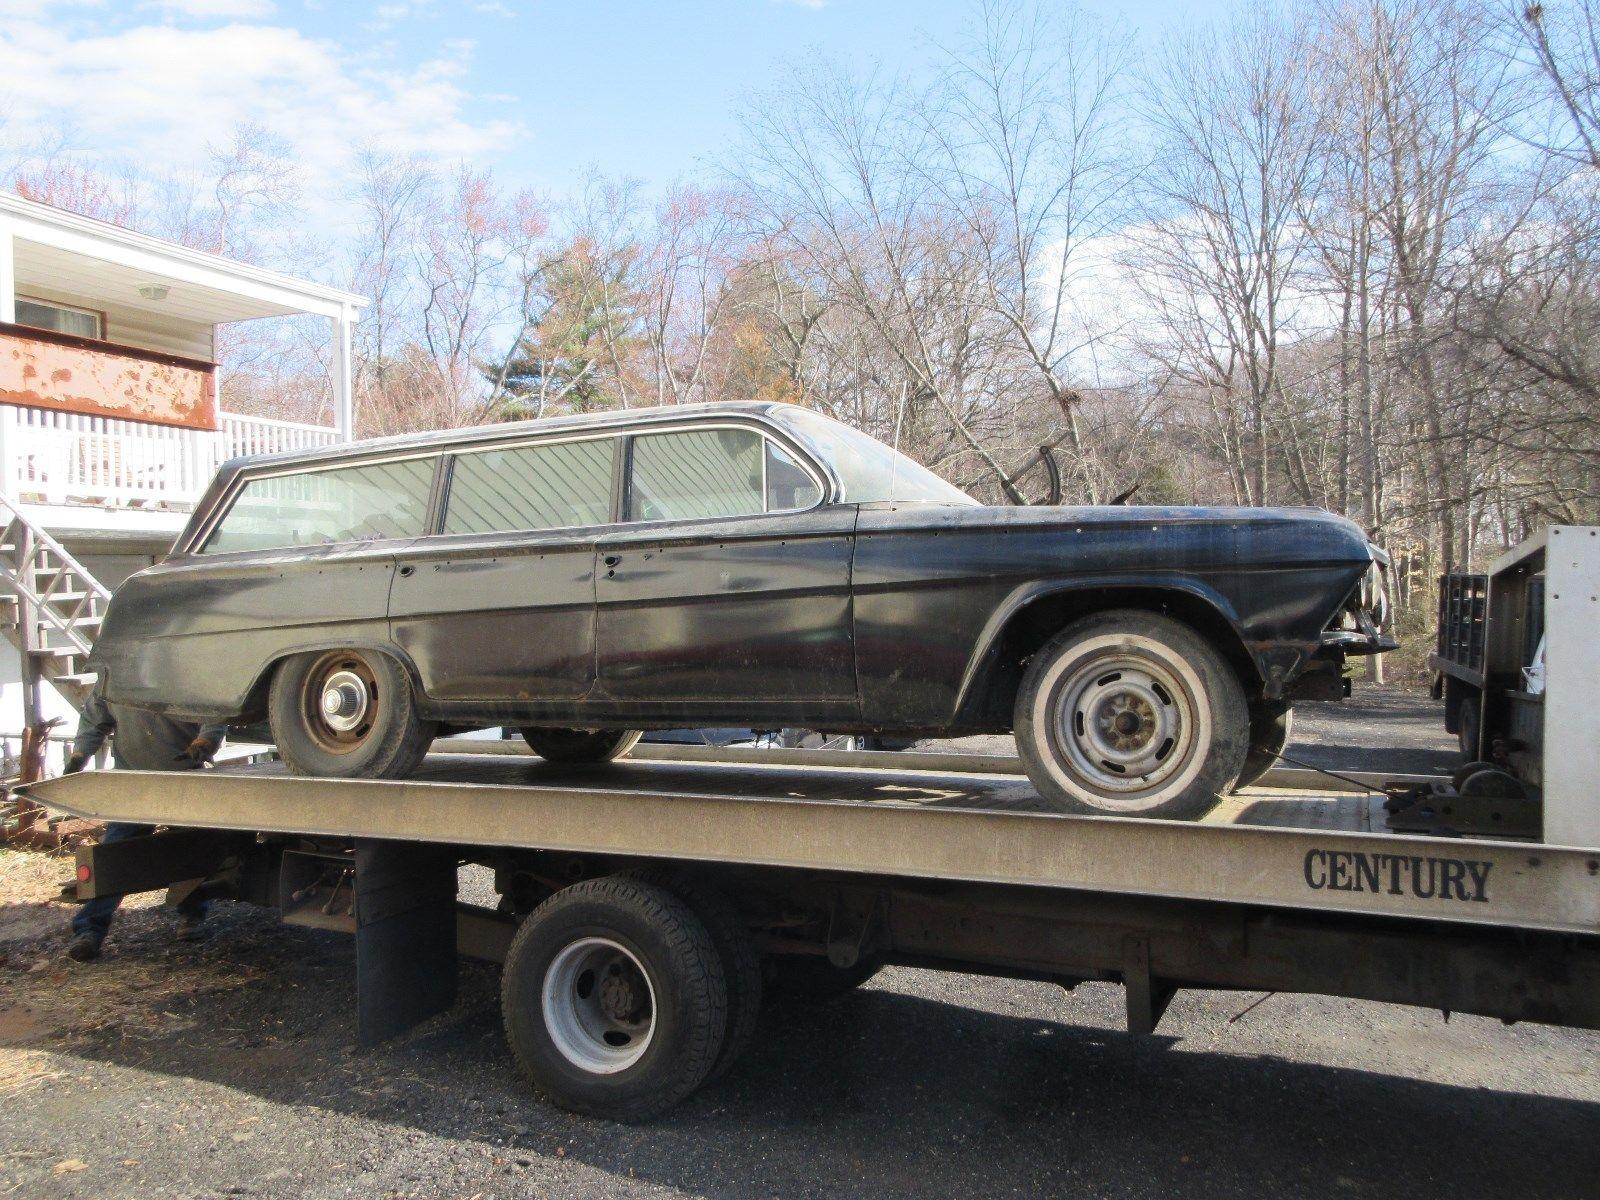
column 255, row 701
column 993, row 692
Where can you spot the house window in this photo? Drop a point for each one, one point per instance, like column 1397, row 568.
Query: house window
column 62, row 318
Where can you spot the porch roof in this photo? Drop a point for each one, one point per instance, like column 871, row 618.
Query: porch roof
column 54, row 250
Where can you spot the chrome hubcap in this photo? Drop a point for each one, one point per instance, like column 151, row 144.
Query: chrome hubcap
column 344, row 701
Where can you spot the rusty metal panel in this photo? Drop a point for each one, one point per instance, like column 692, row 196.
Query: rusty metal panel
column 748, row 814
column 39, row 369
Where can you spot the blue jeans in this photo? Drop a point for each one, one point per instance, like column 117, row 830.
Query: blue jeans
column 94, row 916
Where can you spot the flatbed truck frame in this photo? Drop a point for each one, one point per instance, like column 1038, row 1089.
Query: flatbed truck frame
column 646, row 904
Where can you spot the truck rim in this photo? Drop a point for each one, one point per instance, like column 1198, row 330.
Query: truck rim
column 599, row 1005
column 1126, row 724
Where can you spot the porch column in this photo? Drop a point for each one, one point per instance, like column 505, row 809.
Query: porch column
column 8, row 273
column 343, row 372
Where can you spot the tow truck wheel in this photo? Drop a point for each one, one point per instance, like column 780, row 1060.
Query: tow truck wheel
column 347, row 714
column 1271, row 725
column 614, row 999
column 741, row 965
column 580, row 745
column 1132, row 714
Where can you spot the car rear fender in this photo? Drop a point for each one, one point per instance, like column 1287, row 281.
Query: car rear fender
column 1034, row 613
column 253, row 707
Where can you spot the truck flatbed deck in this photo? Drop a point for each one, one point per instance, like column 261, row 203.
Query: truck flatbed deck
column 841, row 861
column 912, row 817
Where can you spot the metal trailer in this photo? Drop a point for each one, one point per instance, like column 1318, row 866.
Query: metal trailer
column 1517, row 659
column 647, row 903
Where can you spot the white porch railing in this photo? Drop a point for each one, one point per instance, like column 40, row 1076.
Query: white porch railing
column 70, row 458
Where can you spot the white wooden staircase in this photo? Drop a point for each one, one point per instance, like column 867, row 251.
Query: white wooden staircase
column 50, row 609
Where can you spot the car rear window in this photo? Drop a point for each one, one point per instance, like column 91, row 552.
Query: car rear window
column 551, row 486
column 343, row 504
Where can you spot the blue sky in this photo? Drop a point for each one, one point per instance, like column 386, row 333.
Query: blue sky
column 540, row 91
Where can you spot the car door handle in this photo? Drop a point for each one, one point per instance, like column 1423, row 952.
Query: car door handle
column 611, row 560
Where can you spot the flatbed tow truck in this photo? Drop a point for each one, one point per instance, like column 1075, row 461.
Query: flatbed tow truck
column 646, row 903
column 852, row 860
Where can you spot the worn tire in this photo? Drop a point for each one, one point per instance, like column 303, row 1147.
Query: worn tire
column 811, row 978
column 1468, row 720
column 391, row 746
column 1271, row 727
column 580, row 745
column 741, row 965
column 1155, row 725
column 687, row 985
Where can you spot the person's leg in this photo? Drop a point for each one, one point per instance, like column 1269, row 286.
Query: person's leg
column 92, row 921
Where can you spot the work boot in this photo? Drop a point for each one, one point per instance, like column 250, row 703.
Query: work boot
column 85, row 947
column 191, row 927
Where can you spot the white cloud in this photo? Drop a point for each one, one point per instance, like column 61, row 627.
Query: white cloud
column 214, row 10
column 160, row 94
column 813, row 5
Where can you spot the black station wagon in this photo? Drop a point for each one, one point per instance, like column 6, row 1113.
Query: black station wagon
column 590, row 577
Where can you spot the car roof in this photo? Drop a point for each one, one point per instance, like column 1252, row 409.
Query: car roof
column 599, row 422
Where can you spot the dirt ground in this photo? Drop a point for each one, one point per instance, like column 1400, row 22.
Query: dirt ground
column 227, row 1068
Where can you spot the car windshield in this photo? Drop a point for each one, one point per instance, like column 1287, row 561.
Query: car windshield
column 869, row 470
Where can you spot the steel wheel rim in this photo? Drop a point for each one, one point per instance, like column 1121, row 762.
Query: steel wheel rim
column 599, row 1005
column 339, row 702
column 1125, row 725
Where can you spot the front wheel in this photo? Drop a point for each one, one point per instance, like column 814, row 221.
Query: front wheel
column 1271, row 726
column 347, row 714
column 580, row 745
column 1132, row 714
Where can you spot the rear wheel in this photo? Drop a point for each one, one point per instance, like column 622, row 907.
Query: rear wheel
column 1133, row 714
column 614, row 999
column 580, row 745
column 347, row 714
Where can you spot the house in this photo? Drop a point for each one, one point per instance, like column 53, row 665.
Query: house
column 110, row 426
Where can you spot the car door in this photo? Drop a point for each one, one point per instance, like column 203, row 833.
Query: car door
column 498, row 605
column 726, row 593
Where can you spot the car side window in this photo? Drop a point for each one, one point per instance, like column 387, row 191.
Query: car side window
column 696, row 473
column 551, row 486
column 341, row 504
column 714, row 473
column 789, row 486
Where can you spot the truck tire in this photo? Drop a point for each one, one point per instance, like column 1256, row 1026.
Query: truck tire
column 1468, row 723
column 614, row 999
column 812, row 978
column 1132, row 714
column 741, row 965
column 347, row 714
column 580, row 745
column 1271, row 726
